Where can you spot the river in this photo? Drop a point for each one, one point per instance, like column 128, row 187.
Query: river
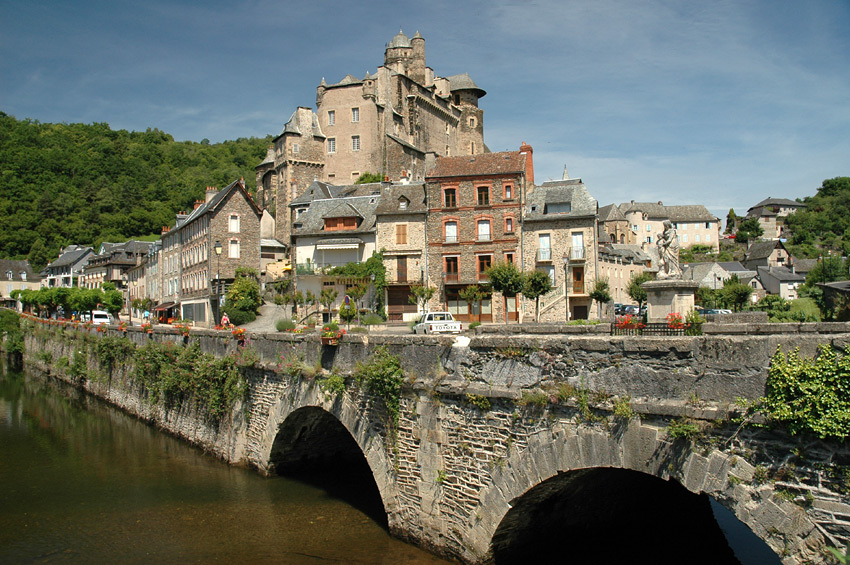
column 81, row 481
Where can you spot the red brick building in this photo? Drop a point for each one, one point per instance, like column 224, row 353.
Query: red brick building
column 474, row 205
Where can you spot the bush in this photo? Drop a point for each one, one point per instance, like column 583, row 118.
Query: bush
column 371, row 319
column 239, row 317
column 284, row 324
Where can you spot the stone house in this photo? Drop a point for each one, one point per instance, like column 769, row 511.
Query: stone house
column 332, row 226
column 111, row 263
column 615, row 224
column 16, row 275
column 65, row 271
column 695, row 225
column 401, row 220
column 618, row 265
column 771, row 212
column 559, row 234
column 386, row 122
column 781, row 281
column 474, row 212
column 766, row 254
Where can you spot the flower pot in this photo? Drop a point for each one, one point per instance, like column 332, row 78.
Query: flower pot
column 330, row 341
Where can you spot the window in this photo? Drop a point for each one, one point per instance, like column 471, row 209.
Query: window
column 334, row 224
column 648, row 227
column 684, row 238
column 331, row 117
column 233, row 224
column 544, row 247
column 451, row 232
column 450, row 264
column 233, row 249
column 472, row 122
column 484, row 262
column 295, row 148
column 483, row 230
column 509, row 257
column 23, row 275
column 401, row 234
column 483, row 195
column 708, row 238
column 472, row 148
column 402, row 203
column 9, row 275
column 649, row 238
column 509, row 192
column 331, row 145
column 355, row 143
column 355, row 114
column 509, row 225
column 696, row 238
column 450, row 198
column 708, row 226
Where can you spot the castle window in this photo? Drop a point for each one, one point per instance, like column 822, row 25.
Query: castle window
column 509, row 225
column 457, row 98
column 295, row 148
column 483, row 195
column 355, row 143
column 355, row 114
column 331, row 117
column 331, row 145
column 472, row 122
column 450, row 198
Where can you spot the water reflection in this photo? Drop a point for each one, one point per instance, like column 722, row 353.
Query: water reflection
column 85, row 482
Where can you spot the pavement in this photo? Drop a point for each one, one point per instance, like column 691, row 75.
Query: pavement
column 270, row 313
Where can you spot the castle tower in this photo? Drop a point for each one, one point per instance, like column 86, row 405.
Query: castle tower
column 398, row 53
column 416, row 69
column 465, row 95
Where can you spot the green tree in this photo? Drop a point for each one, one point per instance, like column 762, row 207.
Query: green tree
column 636, row 291
column 327, row 298
column 537, row 283
column 242, row 300
column 735, row 293
column 473, row 295
column 731, row 221
column 748, row 229
column 507, row 279
column 421, row 295
column 600, row 294
column 368, row 177
column 828, row 269
column 38, row 256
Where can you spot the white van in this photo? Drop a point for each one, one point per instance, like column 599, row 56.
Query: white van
column 100, row 317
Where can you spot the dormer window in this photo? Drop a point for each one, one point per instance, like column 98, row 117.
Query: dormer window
column 9, row 275
column 336, row 224
column 23, row 275
column 402, row 203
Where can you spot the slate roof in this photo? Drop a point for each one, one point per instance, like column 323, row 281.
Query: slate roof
column 404, row 143
column 215, row 201
column 70, row 256
column 17, row 267
column 502, row 163
column 464, row 82
column 292, row 126
column 657, row 210
column 347, row 80
column 781, row 274
column 611, row 213
column 651, row 209
column 803, row 265
column 733, row 266
column 628, row 251
column 317, row 189
column 400, row 40
column 761, row 250
column 414, row 193
column 572, row 191
column 784, row 202
column 312, row 221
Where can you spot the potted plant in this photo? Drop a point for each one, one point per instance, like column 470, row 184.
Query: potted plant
column 239, row 334
column 331, row 333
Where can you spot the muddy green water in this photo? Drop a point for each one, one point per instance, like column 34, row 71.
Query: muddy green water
column 83, row 482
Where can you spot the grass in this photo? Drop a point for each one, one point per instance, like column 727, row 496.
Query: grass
column 806, row 306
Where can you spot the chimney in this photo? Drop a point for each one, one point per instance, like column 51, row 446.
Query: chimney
column 529, row 162
column 211, row 192
column 197, row 204
column 164, row 230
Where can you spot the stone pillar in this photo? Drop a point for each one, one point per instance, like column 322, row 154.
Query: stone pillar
column 669, row 295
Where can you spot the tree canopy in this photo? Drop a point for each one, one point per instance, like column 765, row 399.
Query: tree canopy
column 825, row 223
column 86, row 183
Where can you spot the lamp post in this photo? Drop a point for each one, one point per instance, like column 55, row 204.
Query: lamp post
column 372, row 278
column 217, row 249
column 715, row 290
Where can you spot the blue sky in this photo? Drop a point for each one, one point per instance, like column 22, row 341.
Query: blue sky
column 720, row 103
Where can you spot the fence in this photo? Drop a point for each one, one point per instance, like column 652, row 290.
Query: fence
column 660, row 328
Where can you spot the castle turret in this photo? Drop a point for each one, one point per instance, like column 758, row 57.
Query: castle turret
column 398, row 53
column 416, row 70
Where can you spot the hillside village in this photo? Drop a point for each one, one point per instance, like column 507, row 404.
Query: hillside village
column 393, row 167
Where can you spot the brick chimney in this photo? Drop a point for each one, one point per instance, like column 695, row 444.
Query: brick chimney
column 211, row 192
column 164, row 230
column 197, row 204
column 529, row 162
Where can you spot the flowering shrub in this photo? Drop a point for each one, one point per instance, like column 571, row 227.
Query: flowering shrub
column 147, row 327
column 101, row 328
column 332, row 331
column 238, row 333
column 674, row 321
column 122, row 326
column 629, row 322
column 182, row 329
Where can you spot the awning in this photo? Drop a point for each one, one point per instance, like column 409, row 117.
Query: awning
column 338, row 246
column 164, row 306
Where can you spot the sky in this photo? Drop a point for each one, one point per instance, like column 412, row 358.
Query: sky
column 721, row 103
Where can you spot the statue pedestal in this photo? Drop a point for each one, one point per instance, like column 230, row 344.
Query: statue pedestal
column 668, row 295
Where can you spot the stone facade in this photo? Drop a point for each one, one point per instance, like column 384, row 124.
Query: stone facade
column 619, row 267
column 694, row 225
column 559, row 229
column 456, row 475
column 473, row 222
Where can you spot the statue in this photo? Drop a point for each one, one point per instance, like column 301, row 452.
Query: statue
column 668, row 252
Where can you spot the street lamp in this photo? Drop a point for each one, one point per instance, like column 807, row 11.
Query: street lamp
column 372, row 278
column 217, row 249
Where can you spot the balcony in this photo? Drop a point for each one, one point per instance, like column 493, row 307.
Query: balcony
column 317, row 268
column 576, row 255
column 544, row 254
column 450, row 239
column 484, row 237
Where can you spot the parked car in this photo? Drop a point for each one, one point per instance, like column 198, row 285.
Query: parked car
column 101, row 317
column 437, row 322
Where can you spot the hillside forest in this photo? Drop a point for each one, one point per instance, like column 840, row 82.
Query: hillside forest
column 86, row 183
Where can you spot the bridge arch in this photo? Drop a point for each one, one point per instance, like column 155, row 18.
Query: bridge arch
column 560, row 459
column 309, row 431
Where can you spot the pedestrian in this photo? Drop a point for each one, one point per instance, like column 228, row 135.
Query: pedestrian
column 225, row 320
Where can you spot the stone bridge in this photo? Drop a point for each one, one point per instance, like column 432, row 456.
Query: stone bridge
column 505, row 441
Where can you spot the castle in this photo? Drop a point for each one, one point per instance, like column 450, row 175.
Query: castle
column 389, row 123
